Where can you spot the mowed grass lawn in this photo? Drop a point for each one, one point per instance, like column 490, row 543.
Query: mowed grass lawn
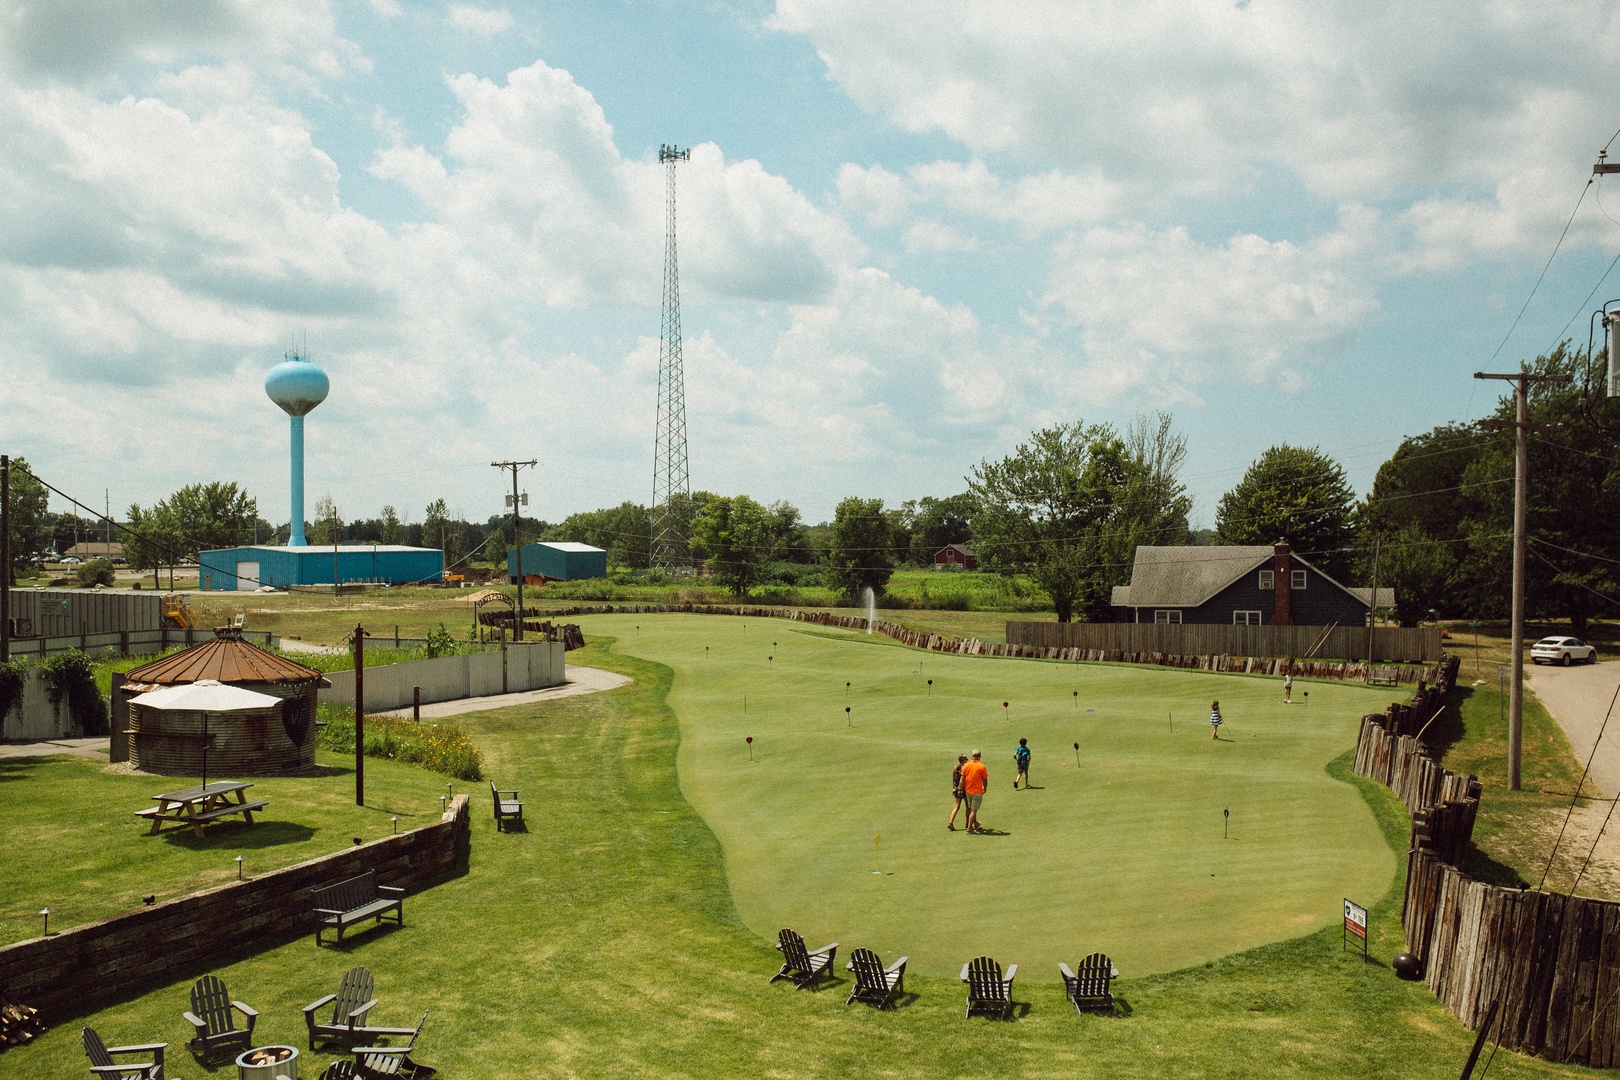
column 1128, row 852
column 74, row 844
column 603, row 942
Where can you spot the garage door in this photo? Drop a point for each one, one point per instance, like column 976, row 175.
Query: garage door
column 247, row 577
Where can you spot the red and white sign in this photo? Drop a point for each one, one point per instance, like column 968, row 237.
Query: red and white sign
column 1355, row 919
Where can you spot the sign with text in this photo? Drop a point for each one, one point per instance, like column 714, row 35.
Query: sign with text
column 1355, row 924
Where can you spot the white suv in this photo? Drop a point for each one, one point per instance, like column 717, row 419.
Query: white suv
column 1562, row 650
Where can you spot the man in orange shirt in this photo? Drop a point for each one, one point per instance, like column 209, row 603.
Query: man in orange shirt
column 975, row 778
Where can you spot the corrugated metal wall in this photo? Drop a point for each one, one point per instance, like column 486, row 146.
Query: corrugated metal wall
column 66, row 612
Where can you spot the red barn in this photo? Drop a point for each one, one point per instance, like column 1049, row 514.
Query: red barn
column 955, row 557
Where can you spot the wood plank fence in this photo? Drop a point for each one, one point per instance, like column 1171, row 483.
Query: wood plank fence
column 1552, row 961
column 1239, row 663
column 1391, row 644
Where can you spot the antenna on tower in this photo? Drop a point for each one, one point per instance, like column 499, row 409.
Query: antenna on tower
column 672, row 482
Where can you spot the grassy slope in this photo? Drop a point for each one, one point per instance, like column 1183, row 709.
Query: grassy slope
column 88, row 856
column 1125, row 852
column 603, row 943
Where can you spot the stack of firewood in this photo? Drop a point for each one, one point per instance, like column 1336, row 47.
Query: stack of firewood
column 18, row 1023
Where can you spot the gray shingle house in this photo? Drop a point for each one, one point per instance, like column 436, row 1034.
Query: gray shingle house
column 1253, row 586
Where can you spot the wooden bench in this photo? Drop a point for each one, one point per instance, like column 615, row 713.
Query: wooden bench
column 1385, row 676
column 505, row 809
column 355, row 899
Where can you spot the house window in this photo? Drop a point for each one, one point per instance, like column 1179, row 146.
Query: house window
column 1172, row 617
column 1296, row 579
column 1268, row 580
column 1245, row 618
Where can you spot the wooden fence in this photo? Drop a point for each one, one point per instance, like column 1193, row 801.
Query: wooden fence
column 1247, row 664
column 1391, row 644
column 1552, row 961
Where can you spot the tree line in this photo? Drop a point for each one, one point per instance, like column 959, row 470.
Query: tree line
column 1069, row 506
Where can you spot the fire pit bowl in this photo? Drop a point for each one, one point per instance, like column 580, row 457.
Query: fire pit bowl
column 267, row 1063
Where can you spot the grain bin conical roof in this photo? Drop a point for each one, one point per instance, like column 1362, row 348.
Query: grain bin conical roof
column 225, row 658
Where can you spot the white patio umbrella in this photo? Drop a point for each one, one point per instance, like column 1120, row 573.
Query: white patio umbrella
column 206, row 696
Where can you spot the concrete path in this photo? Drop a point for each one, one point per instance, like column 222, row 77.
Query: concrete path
column 90, row 748
column 294, row 645
column 1578, row 698
column 581, row 680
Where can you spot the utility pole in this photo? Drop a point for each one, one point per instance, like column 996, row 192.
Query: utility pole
column 1521, row 381
column 517, row 532
column 5, row 557
column 1372, row 610
column 670, row 550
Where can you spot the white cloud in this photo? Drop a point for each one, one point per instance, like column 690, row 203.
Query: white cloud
column 1160, row 306
column 928, row 237
column 1184, row 98
column 485, row 22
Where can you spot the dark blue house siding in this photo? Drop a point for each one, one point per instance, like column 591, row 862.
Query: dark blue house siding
column 1319, row 603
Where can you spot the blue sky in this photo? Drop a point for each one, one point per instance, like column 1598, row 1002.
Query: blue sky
column 911, row 233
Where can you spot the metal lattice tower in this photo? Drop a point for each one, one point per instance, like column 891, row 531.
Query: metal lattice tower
column 672, row 483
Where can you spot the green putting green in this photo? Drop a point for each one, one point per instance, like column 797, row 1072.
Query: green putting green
column 1127, row 852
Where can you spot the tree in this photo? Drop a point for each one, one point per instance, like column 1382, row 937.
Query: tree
column 861, row 555
column 623, row 531
column 1071, row 505
column 734, row 538
column 436, row 526
column 152, row 541
column 70, row 529
column 327, row 528
column 392, row 528
column 210, row 516
column 1573, row 521
column 938, row 522
column 789, row 539
column 28, row 501
column 1041, row 510
column 1297, row 494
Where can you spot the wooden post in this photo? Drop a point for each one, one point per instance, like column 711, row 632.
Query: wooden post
column 1372, row 610
column 416, row 704
column 359, row 715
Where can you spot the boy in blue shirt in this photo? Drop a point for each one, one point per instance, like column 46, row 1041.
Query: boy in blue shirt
column 1021, row 760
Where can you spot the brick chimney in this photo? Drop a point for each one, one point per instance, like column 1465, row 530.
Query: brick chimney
column 1282, row 602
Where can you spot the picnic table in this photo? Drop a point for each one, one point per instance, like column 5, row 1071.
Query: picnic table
column 200, row 805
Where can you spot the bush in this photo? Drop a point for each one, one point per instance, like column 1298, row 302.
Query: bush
column 73, row 675
column 439, row 642
column 93, row 573
column 12, row 674
column 439, row 747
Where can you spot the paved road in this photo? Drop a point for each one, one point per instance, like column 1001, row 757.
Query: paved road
column 581, row 680
column 1578, row 698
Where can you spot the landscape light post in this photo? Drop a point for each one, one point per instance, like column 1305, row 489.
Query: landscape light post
column 1521, row 482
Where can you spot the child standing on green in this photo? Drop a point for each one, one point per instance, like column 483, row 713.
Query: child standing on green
column 1021, row 760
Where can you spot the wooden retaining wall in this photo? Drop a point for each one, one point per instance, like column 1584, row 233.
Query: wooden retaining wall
column 1552, row 961
column 1258, row 665
column 1391, row 644
column 76, row 970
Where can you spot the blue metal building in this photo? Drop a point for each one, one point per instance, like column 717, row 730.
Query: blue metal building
column 245, row 569
column 560, row 560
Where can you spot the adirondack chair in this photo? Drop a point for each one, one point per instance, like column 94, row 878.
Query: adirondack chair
column 210, row 1014
column 103, row 1066
column 349, row 1008
column 988, row 990
column 505, row 809
column 373, row 1062
column 339, row 1070
column 803, row 966
column 1088, row 988
column 874, row 983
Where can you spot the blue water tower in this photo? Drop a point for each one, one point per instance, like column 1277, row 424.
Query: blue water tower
column 297, row 385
